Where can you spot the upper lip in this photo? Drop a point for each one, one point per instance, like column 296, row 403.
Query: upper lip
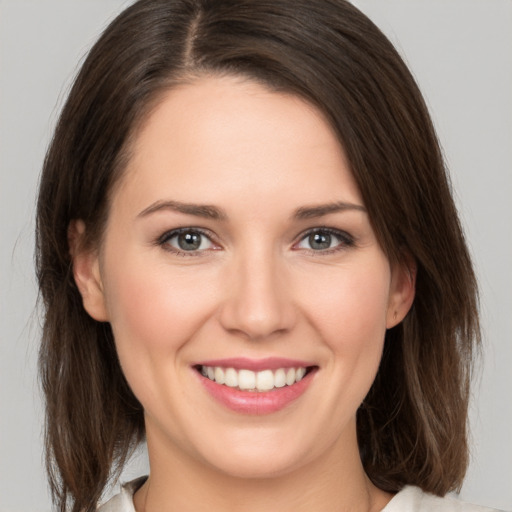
column 256, row 365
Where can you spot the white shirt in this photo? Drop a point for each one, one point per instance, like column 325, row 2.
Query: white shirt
column 409, row 499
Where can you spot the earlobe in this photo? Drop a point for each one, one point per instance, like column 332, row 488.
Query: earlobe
column 86, row 272
column 402, row 292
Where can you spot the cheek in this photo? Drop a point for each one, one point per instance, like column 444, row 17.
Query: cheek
column 153, row 312
column 352, row 323
column 350, row 303
column 350, row 316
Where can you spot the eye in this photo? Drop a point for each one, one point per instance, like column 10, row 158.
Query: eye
column 325, row 239
column 186, row 240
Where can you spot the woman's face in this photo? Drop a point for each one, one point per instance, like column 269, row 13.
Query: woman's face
column 238, row 254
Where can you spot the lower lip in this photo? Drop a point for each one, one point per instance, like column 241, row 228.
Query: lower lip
column 256, row 402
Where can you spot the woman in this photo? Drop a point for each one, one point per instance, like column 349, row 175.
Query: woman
column 249, row 256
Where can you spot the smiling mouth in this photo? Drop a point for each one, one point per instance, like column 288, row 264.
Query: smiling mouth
column 256, row 381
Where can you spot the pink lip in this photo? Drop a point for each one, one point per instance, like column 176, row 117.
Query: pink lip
column 256, row 365
column 255, row 402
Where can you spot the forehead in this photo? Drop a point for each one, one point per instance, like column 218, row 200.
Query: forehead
column 222, row 137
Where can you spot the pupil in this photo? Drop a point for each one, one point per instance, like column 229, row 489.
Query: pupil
column 320, row 240
column 189, row 241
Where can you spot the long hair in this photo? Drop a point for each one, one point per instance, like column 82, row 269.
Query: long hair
column 412, row 424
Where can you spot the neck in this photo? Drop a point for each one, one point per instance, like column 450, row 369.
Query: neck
column 334, row 482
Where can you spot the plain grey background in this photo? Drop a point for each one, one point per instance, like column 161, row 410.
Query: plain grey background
column 461, row 54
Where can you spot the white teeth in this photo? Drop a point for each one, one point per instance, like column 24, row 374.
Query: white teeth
column 246, row 379
column 280, row 378
column 231, row 378
column 290, row 376
column 265, row 380
column 219, row 375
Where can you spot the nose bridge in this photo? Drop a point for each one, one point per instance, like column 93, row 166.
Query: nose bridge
column 257, row 301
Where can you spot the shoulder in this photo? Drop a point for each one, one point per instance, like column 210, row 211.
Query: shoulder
column 413, row 499
column 123, row 502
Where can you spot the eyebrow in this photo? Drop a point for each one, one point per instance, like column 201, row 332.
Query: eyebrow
column 199, row 210
column 311, row 212
column 213, row 212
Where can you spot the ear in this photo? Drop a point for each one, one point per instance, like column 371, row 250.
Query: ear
column 402, row 291
column 86, row 272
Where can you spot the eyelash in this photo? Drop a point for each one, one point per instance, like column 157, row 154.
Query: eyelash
column 163, row 241
column 345, row 240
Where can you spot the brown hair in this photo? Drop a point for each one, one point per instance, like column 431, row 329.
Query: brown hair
column 412, row 424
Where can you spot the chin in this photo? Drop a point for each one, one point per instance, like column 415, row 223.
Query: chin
column 256, row 453
column 257, row 465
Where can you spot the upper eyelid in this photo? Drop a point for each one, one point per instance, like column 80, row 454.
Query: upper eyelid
column 346, row 239
column 344, row 235
column 176, row 231
column 163, row 240
column 320, row 229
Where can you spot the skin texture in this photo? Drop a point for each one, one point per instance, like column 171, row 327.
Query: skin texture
column 255, row 288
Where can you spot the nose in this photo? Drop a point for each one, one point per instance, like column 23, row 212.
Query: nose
column 258, row 301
